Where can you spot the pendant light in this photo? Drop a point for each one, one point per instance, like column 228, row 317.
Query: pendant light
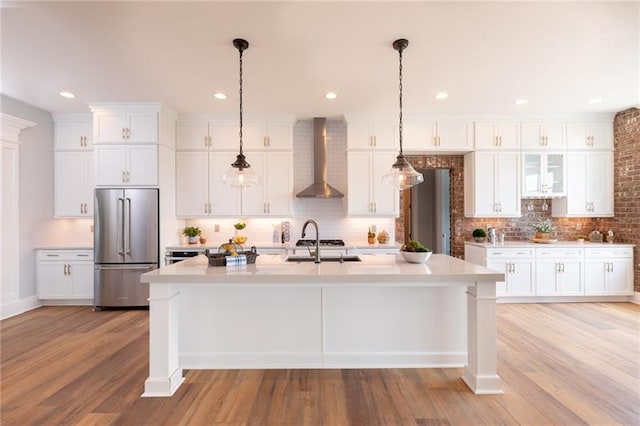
column 402, row 175
column 240, row 175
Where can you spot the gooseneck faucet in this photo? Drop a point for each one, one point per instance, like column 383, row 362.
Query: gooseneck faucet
column 315, row 225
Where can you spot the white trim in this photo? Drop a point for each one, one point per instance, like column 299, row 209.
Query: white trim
column 636, row 298
column 66, row 302
column 566, row 299
column 19, row 307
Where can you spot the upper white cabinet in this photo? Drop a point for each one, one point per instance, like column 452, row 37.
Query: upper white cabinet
column 589, row 186
column 548, row 136
column 441, row 136
column 73, row 184
column 366, row 135
column 126, row 165
column 590, row 135
column 367, row 195
column 206, row 134
column 544, row 174
column 118, row 126
column 72, row 132
column 492, row 184
column 274, row 195
column 497, row 135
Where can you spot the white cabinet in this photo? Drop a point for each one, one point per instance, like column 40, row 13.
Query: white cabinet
column 224, row 135
column 72, row 132
column 126, row 165
column 518, row 267
column 589, row 186
column 590, row 135
column 65, row 274
column 543, row 136
column 543, row 174
column 274, row 195
column 366, row 135
column 609, row 271
column 559, row 272
column 492, row 184
column 440, row 136
column 122, row 126
column 73, row 184
column 367, row 195
column 497, row 135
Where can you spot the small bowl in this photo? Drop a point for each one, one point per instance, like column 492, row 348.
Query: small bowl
column 240, row 239
column 416, row 256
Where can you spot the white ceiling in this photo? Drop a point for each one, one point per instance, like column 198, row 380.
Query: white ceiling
column 484, row 54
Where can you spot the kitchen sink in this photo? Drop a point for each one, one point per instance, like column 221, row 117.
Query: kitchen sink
column 350, row 258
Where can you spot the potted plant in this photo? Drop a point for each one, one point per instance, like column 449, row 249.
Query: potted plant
column 192, row 232
column 479, row 235
column 415, row 252
column 543, row 229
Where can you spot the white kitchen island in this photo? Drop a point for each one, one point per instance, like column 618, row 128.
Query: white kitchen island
column 380, row 312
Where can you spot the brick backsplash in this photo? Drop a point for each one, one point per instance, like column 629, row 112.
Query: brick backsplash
column 625, row 224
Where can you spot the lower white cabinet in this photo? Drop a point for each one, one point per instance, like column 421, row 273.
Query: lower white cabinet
column 126, row 165
column 559, row 272
column 73, row 184
column 65, row 274
column 609, row 271
column 518, row 267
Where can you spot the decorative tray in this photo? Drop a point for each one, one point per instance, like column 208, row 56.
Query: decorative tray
column 543, row 240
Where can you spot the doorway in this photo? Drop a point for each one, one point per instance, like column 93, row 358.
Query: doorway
column 429, row 210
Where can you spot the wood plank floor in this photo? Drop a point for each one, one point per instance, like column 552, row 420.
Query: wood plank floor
column 565, row 364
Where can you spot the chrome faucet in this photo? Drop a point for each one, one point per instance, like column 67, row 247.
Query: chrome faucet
column 315, row 225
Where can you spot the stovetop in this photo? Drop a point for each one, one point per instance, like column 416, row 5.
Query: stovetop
column 332, row 243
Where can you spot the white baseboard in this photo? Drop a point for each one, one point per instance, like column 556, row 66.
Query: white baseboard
column 636, row 298
column 19, row 306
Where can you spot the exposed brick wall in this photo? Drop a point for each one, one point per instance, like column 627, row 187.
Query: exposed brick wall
column 625, row 224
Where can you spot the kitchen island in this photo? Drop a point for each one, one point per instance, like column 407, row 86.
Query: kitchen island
column 380, row 312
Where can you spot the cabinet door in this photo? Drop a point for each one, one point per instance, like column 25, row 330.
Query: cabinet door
column 224, row 200
column 500, row 266
column 192, row 184
column 81, row 280
column 254, row 136
column 73, row 184
column 385, row 198
column 419, row 136
column 543, row 136
column 497, row 135
column 226, row 136
column 359, row 175
column 554, row 174
column 254, row 199
column 110, row 165
column 532, row 174
column 453, row 136
column 359, row 136
column 142, row 127
column 571, row 279
column 280, row 136
column 53, row 280
column 192, row 135
column 620, row 277
column 599, row 183
column 142, row 165
column 385, row 135
column 590, row 135
column 73, row 135
column 485, row 167
column 507, row 184
column 279, row 183
column 109, row 127
column 547, row 272
column 595, row 272
column 520, row 278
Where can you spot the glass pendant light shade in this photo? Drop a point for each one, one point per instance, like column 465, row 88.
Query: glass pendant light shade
column 240, row 174
column 402, row 175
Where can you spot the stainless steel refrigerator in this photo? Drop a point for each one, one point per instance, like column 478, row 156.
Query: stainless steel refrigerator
column 125, row 245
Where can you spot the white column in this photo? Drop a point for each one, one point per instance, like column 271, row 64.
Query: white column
column 481, row 373
column 165, row 372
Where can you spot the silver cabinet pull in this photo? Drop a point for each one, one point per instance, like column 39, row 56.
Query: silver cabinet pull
column 123, row 134
column 129, row 226
column 53, row 255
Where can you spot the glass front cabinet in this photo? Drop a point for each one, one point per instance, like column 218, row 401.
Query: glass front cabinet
column 544, row 174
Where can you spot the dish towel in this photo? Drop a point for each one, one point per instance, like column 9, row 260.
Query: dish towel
column 238, row 260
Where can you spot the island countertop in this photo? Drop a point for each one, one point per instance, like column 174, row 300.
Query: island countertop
column 371, row 268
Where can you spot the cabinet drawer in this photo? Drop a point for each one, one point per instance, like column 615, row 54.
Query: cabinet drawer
column 559, row 253
column 504, row 253
column 66, row 255
column 609, row 252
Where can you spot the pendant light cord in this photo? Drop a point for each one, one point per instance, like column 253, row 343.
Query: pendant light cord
column 241, row 50
column 400, row 85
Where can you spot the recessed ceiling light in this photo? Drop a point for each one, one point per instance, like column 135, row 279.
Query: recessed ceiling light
column 521, row 101
column 220, row 96
column 331, row 95
column 442, row 95
column 67, row 95
column 594, row 100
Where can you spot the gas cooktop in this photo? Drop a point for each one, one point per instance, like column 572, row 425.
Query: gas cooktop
column 333, row 243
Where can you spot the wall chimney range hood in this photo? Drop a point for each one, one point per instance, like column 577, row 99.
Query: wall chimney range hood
column 320, row 188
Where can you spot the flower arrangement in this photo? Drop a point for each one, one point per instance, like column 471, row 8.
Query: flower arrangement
column 545, row 226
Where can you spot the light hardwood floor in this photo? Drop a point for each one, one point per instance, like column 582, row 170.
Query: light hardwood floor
column 561, row 364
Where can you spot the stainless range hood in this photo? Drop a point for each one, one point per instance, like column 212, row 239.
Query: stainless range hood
column 320, row 188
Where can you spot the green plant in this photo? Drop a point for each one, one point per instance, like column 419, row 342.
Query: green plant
column 191, row 231
column 545, row 226
column 414, row 245
column 240, row 225
column 479, row 233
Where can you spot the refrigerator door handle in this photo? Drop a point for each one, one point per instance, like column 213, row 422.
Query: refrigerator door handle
column 126, row 267
column 120, row 224
column 128, row 227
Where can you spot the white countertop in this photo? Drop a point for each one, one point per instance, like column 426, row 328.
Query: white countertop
column 291, row 245
column 574, row 244
column 70, row 247
column 372, row 269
